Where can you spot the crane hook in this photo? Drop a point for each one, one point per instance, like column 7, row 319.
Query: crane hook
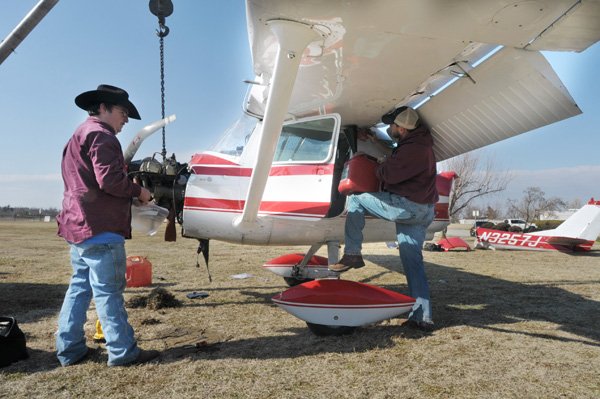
column 162, row 31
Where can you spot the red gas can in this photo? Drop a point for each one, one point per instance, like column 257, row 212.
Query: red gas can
column 359, row 175
column 138, row 272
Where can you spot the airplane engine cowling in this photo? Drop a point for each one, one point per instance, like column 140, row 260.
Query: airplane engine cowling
column 166, row 180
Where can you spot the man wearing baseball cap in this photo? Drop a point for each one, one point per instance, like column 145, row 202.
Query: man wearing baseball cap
column 95, row 220
column 407, row 198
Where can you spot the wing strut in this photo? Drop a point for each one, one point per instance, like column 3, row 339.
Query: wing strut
column 37, row 13
column 293, row 38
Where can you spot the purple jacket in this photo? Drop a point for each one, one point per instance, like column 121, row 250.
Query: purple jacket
column 98, row 193
column 410, row 170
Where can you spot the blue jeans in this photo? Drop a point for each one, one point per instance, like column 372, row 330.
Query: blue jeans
column 98, row 271
column 411, row 221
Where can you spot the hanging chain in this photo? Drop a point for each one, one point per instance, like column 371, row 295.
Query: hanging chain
column 162, row 9
column 162, row 89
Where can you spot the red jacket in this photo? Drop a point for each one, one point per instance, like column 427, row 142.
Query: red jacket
column 410, row 171
column 97, row 196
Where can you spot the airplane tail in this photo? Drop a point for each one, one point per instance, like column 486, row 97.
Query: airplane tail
column 583, row 224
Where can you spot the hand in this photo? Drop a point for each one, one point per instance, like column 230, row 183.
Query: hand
column 365, row 134
column 145, row 196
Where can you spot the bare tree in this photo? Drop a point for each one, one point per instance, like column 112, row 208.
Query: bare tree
column 492, row 212
column 474, row 181
column 533, row 204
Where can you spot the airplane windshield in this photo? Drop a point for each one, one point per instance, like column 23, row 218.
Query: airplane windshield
column 304, row 141
column 236, row 137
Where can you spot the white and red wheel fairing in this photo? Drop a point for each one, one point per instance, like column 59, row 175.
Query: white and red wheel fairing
column 342, row 303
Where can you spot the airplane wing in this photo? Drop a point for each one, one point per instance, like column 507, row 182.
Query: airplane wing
column 375, row 55
column 471, row 67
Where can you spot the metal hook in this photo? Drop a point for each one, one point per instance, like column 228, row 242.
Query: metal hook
column 162, row 30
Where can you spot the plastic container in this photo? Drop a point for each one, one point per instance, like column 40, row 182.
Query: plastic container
column 147, row 218
column 359, row 176
column 138, row 272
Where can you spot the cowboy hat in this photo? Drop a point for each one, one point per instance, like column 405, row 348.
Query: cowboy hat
column 109, row 95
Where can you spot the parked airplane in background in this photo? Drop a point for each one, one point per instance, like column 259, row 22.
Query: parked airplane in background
column 577, row 233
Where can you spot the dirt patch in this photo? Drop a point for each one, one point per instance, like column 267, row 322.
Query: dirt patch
column 159, row 298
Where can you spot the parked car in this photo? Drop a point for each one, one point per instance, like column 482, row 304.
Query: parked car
column 519, row 223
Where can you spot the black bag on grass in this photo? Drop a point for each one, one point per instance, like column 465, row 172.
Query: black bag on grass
column 12, row 342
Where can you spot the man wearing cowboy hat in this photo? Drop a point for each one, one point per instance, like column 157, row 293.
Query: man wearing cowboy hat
column 95, row 220
column 409, row 193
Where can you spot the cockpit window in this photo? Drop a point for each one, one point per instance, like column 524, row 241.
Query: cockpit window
column 235, row 138
column 306, row 141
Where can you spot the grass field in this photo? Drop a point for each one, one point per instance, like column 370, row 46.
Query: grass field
column 510, row 325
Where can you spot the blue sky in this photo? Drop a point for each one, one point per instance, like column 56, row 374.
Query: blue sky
column 83, row 43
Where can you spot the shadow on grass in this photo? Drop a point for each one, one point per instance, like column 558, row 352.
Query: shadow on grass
column 30, row 302
column 461, row 298
column 42, row 361
column 295, row 342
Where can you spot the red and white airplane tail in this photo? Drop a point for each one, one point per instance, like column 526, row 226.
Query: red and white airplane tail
column 577, row 233
column 580, row 230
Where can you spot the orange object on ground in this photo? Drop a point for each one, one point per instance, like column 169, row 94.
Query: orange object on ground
column 139, row 271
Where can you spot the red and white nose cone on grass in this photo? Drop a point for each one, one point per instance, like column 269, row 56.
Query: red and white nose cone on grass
column 342, row 302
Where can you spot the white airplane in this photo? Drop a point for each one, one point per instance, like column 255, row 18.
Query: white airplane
column 577, row 233
column 472, row 68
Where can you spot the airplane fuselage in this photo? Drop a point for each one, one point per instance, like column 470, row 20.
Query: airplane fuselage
column 296, row 209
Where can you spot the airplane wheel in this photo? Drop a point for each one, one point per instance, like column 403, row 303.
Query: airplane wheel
column 322, row 330
column 292, row 281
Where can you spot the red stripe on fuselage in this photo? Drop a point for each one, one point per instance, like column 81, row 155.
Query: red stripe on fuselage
column 287, row 170
column 208, row 159
column 288, row 207
column 221, row 171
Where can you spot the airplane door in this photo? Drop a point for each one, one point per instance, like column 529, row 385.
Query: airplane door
column 302, row 175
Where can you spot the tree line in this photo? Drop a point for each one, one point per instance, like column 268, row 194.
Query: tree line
column 477, row 181
column 26, row 212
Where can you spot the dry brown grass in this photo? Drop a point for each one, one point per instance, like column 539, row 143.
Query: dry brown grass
column 510, row 325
